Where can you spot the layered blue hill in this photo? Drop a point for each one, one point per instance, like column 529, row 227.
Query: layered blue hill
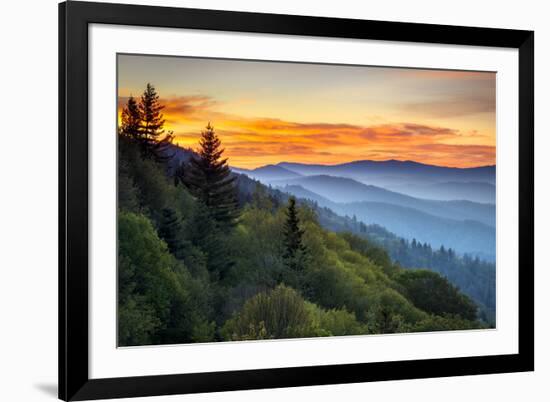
column 438, row 205
column 346, row 191
column 396, row 172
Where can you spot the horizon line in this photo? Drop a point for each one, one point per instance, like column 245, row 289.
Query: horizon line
column 365, row 160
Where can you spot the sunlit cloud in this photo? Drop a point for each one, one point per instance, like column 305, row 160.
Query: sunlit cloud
column 324, row 115
column 193, row 105
column 410, row 132
column 251, row 142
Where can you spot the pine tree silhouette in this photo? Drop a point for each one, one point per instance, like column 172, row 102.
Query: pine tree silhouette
column 130, row 120
column 209, row 179
column 152, row 138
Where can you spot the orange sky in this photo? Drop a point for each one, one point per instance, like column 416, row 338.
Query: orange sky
column 267, row 112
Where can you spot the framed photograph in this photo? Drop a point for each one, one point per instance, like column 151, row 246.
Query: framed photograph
column 257, row 201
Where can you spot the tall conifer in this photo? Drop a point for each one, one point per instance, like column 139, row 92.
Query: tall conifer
column 170, row 230
column 152, row 137
column 295, row 250
column 130, row 120
column 208, row 178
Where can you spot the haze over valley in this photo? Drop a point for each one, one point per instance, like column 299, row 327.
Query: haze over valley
column 439, row 205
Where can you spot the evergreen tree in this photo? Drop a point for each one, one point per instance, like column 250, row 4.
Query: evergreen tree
column 130, row 120
column 260, row 199
column 434, row 294
column 208, row 178
column 206, row 235
column 128, row 193
column 152, row 138
column 170, row 230
column 295, row 250
column 179, row 174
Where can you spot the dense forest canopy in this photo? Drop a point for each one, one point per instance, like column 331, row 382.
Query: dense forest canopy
column 208, row 255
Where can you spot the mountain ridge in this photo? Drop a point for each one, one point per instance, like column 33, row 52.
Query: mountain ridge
column 388, row 208
column 390, row 162
column 345, row 191
column 392, row 172
column 465, row 236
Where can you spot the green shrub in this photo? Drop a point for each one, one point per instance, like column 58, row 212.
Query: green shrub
column 281, row 313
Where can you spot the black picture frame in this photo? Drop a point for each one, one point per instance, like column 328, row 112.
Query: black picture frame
column 74, row 18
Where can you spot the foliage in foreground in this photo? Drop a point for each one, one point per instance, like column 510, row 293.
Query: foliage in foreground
column 283, row 313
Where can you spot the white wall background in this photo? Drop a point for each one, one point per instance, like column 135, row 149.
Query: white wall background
column 28, row 199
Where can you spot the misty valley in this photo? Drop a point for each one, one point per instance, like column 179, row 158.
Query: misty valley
column 456, row 219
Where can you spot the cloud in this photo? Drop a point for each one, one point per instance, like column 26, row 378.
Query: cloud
column 264, row 141
column 458, row 155
column 192, row 104
column 406, row 132
column 447, row 94
column 182, row 108
column 458, row 107
column 252, row 142
column 469, row 152
column 274, row 149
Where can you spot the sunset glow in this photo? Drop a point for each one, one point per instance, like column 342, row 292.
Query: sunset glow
column 269, row 112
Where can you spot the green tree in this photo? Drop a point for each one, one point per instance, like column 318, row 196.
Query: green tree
column 208, row 178
column 179, row 174
column 137, row 321
column 447, row 323
column 159, row 302
column 340, row 322
column 170, row 230
column 295, row 251
column 281, row 313
column 152, row 137
column 434, row 294
column 260, row 198
column 205, row 233
column 127, row 192
column 375, row 253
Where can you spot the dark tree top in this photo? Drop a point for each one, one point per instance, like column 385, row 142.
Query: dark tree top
column 209, row 178
column 294, row 248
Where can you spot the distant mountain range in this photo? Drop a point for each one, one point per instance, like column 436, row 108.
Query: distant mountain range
column 345, row 191
column 407, row 177
column 463, row 235
column 269, row 173
column 451, row 215
column 452, row 190
column 438, row 205
column 394, row 170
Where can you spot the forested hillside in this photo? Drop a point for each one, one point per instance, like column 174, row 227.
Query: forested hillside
column 205, row 255
column 472, row 275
